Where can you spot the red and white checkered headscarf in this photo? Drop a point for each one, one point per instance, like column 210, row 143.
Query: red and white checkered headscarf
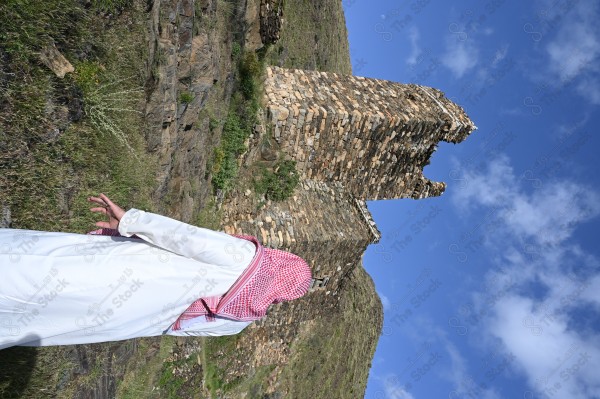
column 273, row 276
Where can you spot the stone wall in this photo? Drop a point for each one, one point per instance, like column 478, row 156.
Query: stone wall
column 273, row 339
column 325, row 225
column 322, row 223
column 374, row 135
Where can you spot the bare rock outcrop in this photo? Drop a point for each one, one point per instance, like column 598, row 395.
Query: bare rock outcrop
column 271, row 17
column 53, row 59
column 5, row 219
column 189, row 67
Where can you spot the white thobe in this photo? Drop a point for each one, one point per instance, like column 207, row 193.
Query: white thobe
column 66, row 288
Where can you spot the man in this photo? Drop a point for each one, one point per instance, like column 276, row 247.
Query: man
column 141, row 274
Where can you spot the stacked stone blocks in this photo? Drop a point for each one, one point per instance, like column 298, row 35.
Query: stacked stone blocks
column 354, row 139
column 374, row 135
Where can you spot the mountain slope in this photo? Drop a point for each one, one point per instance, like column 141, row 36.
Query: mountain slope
column 313, row 36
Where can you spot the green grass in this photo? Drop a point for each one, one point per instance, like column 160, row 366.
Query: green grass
column 217, row 357
column 186, row 97
column 209, row 217
column 212, row 379
column 170, row 384
column 47, row 177
column 110, row 103
column 313, row 36
column 29, row 25
column 213, row 123
column 236, row 50
column 142, row 371
column 46, row 181
column 173, row 383
column 240, row 121
column 278, row 184
column 224, row 164
column 330, row 360
column 250, row 70
column 111, row 6
column 27, row 372
column 251, row 386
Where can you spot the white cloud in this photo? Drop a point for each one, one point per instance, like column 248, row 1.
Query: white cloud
column 460, row 56
column 592, row 293
column 590, row 89
column 552, row 345
column 489, row 189
column 567, row 129
column 385, row 301
column 500, row 55
column 557, row 360
column 547, row 215
column 413, row 36
column 464, row 384
column 569, row 38
column 426, row 334
column 488, row 31
column 457, row 373
column 573, row 51
column 393, row 390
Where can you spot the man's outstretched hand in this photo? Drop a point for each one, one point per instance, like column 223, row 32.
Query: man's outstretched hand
column 109, row 208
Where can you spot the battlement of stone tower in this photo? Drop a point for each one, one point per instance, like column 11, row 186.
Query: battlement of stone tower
column 375, row 136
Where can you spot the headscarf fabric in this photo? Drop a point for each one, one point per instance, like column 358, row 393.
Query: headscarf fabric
column 272, row 276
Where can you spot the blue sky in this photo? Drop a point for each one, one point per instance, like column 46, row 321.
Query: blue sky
column 493, row 289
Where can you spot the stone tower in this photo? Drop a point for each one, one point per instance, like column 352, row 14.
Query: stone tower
column 373, row 135
column 354, row 139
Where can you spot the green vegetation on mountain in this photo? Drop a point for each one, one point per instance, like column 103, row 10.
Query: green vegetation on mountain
column 313, row 36
column 64, row 139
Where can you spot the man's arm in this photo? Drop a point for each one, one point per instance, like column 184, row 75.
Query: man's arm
column 193, row 242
